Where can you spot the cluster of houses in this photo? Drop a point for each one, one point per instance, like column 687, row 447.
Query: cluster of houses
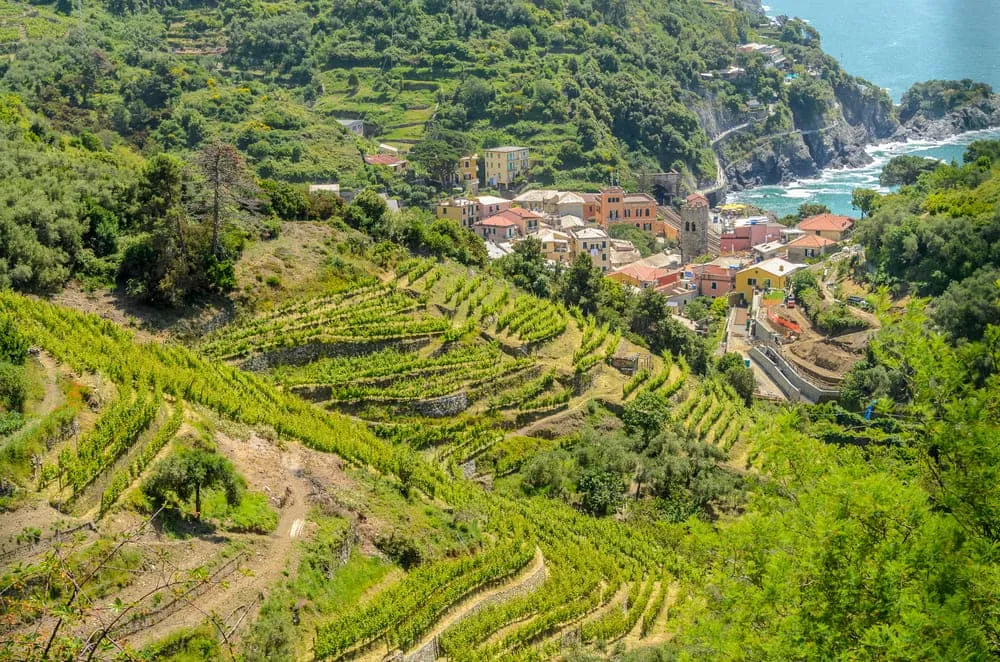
column 566, row 223
column 747, row 253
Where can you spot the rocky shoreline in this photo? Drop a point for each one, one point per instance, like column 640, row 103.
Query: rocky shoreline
column 786, row 158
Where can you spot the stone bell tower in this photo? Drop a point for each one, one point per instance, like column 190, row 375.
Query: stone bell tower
column 694, row 228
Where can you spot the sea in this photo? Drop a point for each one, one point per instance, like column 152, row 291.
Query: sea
column 892, row 43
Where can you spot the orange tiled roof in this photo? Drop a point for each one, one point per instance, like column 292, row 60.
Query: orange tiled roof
column 812, row 241
column 826, row 223
column 383, row 159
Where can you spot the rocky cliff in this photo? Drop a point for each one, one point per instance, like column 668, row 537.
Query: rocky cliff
column 983, row 114
column 863, row 116
column 859, row 115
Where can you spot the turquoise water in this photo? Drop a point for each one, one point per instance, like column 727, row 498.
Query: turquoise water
column 893, row 43
column 896, row 43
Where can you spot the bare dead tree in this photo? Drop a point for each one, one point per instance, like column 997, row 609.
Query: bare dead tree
column 229, row 182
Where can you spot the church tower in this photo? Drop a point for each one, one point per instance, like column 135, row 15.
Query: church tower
column 694, row 227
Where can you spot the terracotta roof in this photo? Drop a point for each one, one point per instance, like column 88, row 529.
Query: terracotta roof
column 812, row 241
column 827, row 223
column 499, row 221
column 697, row 200
column 643, row 273
column 521, row 212
column 716, row 270
column 383, row 159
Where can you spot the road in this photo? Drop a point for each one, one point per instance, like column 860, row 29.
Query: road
column 739, row 341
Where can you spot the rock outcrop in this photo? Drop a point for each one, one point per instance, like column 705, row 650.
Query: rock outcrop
column 983, row 114
column 860, row 116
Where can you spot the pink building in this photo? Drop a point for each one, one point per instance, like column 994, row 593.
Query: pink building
column 496, row 229
column 491, row 205
column 747, row 233
column 714, row 281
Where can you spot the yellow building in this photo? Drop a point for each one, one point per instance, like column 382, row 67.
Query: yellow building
column 555, row 246
column 769, row 274
column 505, row 164
column 462, row 211
column 468, row 171
column 594, row 242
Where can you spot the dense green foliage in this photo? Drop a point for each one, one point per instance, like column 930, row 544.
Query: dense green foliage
column 905, row 170
column 939, row 238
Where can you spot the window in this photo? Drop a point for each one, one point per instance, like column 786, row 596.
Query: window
column 752, row 282
column 714, row 285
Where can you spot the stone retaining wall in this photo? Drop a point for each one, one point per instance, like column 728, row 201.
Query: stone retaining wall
column 305, row 354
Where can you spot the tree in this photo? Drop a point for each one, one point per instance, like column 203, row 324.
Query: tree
column 369, row 213
column 990, row 149
column 904, row 170
column 187, row 472
column 526, row 267
column 969, row 306
column 865, row 200
column 810, row 209
column 437, row 157
column 646, row 415
column 14, row 345
column 602, row 490
column 740, row 377
column 228, row 182
column 581, row 284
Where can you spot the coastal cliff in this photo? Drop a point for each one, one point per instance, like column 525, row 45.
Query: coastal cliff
column 857, row 117
column 976, row 116
column 834, row 135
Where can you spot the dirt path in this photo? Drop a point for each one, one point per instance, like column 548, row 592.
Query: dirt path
column 237, row 600
column 53, row 396
column 658, row 633
column 633, row 637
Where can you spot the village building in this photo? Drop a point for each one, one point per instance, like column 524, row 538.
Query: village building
column 643, row 277
column 594, row 242
column 491, row 205
column 696, row 218
column 527, row 221
column 468, row 172
column 390, row 161
column 568, row 222
column 461, row 210
column 496, row 229
column 504, row 165
column 768, row 250
column 769, row 274
column 831, row 226
column 810, row 247
column 715, row 281
column 622, row 253
column 556, row 246
column 333, row 189
column 745, row 233
column 591, row 207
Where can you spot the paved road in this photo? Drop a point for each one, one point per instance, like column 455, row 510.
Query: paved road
column 739, row 341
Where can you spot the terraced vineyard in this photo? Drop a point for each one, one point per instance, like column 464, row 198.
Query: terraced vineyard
column 535, row 574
